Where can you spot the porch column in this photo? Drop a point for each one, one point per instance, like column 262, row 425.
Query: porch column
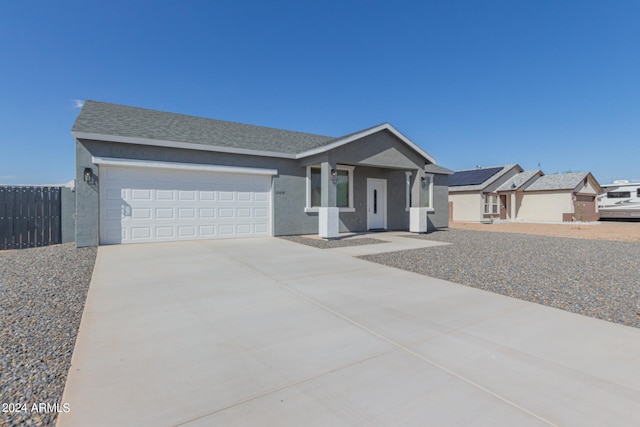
column 418, row 212
column 514, row 214
column 328, row 212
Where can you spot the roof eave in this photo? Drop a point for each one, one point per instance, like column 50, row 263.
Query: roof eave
column 175, row 144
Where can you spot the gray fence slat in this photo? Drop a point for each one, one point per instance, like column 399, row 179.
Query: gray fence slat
column 3, row 218
column 46, row 216
column 24, row 224
column 39, row 220
column 11, row 196
column 56, row 207
column 21, row 222
column 31, row 217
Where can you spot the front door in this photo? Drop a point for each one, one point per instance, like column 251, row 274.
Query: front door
column 376, row 203
column 503, row 206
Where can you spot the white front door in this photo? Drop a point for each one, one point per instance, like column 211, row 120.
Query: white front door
column 376, row 203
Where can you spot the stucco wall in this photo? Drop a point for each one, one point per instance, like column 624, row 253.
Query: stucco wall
column 545, row 206
column 68, row 214
column 467, row 206
column 440, row 217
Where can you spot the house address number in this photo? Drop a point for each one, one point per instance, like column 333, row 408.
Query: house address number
column 279, row 192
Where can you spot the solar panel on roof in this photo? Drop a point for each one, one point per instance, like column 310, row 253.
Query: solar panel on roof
column 472, row 177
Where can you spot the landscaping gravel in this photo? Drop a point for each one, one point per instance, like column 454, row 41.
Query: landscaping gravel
column 335, row 243
column 596, row 278
column 42, row 295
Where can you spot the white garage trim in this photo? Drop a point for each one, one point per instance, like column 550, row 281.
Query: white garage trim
column 112, row 161
column 146, row 202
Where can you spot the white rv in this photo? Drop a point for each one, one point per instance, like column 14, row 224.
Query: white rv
column 620, row 200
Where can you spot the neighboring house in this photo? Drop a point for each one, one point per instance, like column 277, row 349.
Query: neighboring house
column 473, row 193
column 508, row 193
column 146, row 176
column 511, row 194
column 560, row 197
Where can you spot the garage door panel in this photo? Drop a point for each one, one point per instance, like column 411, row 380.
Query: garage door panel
column 165, row 232
column 141, row 213
column 140, row 233
column 165, row 213
column 145, row 205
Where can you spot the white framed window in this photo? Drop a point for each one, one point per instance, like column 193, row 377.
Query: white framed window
column 490, row 203
column 408, row 191
column 428, row 191
column 344, row 188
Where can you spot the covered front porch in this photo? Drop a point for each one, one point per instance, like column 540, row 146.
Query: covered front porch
column 373, row 180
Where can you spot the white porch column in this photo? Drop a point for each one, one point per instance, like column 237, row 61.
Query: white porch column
column 514, row 214
column 418, row 220
column 328, row 222
column 328, row 213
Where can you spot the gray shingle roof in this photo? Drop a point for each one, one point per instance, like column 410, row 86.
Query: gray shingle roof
column 518, row 180
column 119, row 120
column 485, row 184
column 560, row 181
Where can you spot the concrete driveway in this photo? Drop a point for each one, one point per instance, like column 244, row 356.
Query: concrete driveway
column 273, row 333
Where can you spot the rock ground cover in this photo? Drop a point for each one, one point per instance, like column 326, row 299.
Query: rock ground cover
column 42, row 295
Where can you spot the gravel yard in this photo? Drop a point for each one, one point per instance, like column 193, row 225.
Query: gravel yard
column 597, row 278
column 42, row 295
column 628, row 231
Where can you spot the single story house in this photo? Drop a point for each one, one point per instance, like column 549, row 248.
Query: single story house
column 148, row 176
column 473, row 193
column 508, row 193
column 562, row 197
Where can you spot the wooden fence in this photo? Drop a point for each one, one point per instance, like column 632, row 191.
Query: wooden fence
column 30, row 217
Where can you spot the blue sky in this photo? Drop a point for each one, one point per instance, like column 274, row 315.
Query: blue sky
column 555, row 83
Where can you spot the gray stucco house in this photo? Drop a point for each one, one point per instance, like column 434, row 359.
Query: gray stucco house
column 146, row 176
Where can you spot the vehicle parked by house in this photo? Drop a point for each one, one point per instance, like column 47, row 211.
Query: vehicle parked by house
column 621, row 200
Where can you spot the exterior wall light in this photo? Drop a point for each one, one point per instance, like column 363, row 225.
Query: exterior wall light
column 88, row 175
column 334, row 175
column 423, row 181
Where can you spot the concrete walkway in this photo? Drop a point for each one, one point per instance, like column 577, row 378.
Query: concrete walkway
column 273, row 333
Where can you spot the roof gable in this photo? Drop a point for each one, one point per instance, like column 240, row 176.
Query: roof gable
column 518, row 181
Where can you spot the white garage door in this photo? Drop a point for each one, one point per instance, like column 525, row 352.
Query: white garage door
column 151, row 205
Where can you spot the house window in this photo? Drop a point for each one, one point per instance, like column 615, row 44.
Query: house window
column 428, row 191
column 408, row 191
column 344, row 188
column 490, row 203
column 619, row 195
column 314, row 178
